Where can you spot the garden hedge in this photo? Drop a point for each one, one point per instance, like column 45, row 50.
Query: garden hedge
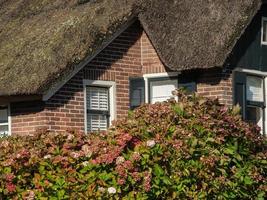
column 191, row 149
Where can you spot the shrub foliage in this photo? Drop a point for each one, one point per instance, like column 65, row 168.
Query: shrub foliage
column 191, row 149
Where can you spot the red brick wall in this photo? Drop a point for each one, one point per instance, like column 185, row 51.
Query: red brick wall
column 216, row 83
column 65, row 110
column 213, row 83
column 150, row 60
column 26, row 117
column 119, row 61
column 129, row 55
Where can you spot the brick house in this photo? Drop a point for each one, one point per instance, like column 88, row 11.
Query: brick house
column 83, row 64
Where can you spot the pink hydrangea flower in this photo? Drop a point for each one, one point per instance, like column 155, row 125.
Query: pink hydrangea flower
column 136, row 176
column 10, row 187
column 10, row 177
column 31, row 195
column 121, row 181
column 136, row 156
column 147, row 181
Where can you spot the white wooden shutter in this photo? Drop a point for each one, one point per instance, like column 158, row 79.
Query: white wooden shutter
column 97, row 98
column 162, row 90
column 96, row 122
column 97, row 108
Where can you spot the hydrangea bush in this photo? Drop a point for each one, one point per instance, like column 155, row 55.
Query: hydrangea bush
column 191, row 149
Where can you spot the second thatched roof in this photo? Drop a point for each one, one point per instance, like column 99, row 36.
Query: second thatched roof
column 41, row 40
column 197, row 34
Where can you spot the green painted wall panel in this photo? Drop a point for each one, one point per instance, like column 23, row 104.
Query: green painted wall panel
column 248, row 52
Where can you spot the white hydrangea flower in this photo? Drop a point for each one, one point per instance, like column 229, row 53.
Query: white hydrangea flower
column 120, row 160
column 47, row 156
column 101, row 189
column 70, row 137
column 87, row 151
column 151, row 143
column 112, row 190
column 74, row 155
column 85, row 163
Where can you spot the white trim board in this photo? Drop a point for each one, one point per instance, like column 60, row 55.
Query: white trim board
column 163, row 75
column 49, row 93
column 265, row 98
column 9, row 119
column 251, row 71
column 8, row 123
column 258, row 73
column 112, row 98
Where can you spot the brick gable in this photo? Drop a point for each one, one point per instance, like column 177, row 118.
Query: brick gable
column 129, row 55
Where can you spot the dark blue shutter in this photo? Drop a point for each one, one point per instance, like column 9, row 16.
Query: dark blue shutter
column 137, row 92
column 240, row 91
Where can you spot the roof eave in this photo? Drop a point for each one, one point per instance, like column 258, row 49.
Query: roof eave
column 58, row 84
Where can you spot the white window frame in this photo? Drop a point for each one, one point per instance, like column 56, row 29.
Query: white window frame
column 9, row 119
column 156, row 75
column 264, row 76
column 112, row 97
column 263, row 19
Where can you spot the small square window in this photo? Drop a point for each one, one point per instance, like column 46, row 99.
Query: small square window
column 161, row 90
column 264, row 31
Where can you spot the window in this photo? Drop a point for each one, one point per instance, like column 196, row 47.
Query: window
column 250, row 95
column 264, row 31
column 255, row 100
column 4, row 120
column 137, row 92
column 99, row 105
column 161, row 90
column 189, row 87
column 154, row 88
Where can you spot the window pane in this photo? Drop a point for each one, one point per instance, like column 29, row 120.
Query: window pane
column 137, row 98
column 264, row 31
column 255, row 115
column 137, row 92
column 97, row 98
column 162, row 90
column 96, row 122
column 3, row 130
column 254, row 89
column 3, row 115
column 189, row 87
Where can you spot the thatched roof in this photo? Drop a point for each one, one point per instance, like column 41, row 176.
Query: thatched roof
column 191, row 34
column 42, row 40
